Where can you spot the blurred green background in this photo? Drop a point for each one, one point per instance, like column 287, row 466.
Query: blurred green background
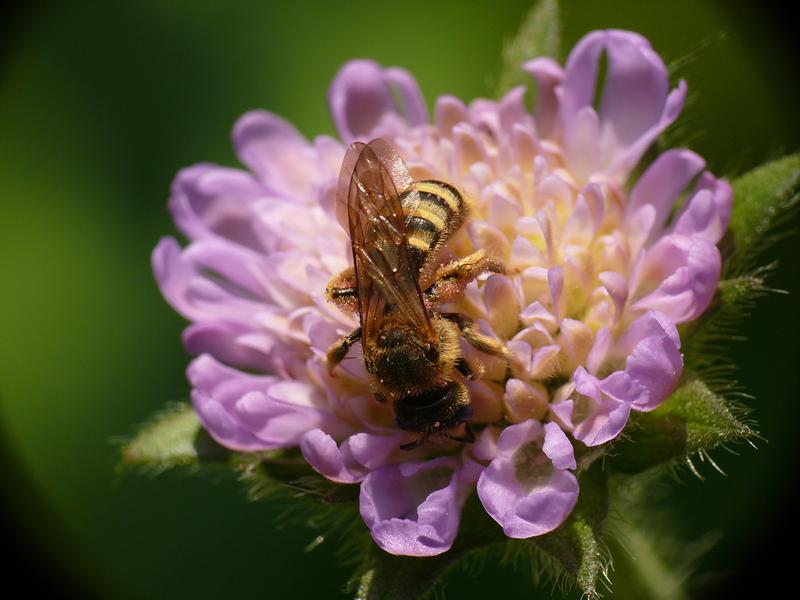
column 101, row 103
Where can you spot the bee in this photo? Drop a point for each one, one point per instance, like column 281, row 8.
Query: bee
column 411, row 350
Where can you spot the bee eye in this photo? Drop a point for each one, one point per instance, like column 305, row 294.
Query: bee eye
column 431, row 353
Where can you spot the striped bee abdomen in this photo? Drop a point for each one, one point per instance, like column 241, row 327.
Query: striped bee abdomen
column 439, row 214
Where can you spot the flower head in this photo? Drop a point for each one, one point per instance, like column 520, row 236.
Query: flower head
column 601, row 266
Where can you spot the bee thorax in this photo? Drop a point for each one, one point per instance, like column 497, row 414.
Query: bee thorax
column 401, row 362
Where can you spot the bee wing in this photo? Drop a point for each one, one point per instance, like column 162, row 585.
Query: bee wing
column 372, row 177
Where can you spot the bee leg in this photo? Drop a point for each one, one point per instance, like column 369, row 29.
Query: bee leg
column 343, row 291
column 482, row 342
column 416, row 443
column 467, row 438
column 462, row 366
column 452, row 278
column 339, row 350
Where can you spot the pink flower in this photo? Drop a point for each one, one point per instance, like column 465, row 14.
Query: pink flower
column 597, row 279
column 528, row 486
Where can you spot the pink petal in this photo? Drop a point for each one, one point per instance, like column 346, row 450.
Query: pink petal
column 412, row 104
column 634, row 109
column 191, row 292
column 575, row 341
column 276, row 424
column 361, row 100
column 524, row 401
column 651, row 324
column 558, row 448
column 600, row 349
column 485, row 448
column 484, row 235
column 503, row 210
column 655, row 364
column 555, row 279
column 469, row 148
column 617, row 289
column 525, row 148
column 209, row 200
column 276, row 152
column 484, row 117
column 502, row 305
column 327, row 458
column 652, row 348
column 512, row 110
column 580, row 73
column 621, row 387
column 216, row 390
column 548, row 75
column 582, row 145
column 223, row 340
column 663, row 181
column 413, row 509
column 235, row 267
column 678, row 277
column 522, row 488
column 450, row 111
column 636, row 86
column 627, row 159
column 595, row 417
column 707, row 212
column 581, row 226
column 249, row 413
column 373, row 451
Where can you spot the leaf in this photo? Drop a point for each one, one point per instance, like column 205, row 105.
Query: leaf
column 691, row 421
column 173, row 438
column 539, row 35
column 577, row 542
column 761, row 201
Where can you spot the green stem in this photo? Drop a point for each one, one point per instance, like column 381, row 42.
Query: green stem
column 639, row 570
